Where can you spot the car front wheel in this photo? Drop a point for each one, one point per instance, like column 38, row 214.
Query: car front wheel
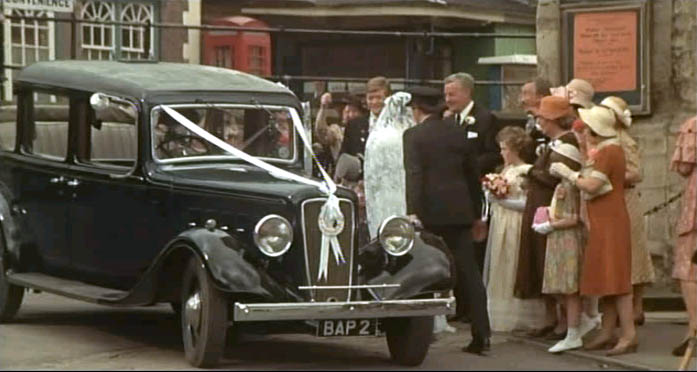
column 409, row 339
column 204, row 317
column 10, row 295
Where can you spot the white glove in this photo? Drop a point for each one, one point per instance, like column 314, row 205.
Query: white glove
column 562, row 170
column 543, row 228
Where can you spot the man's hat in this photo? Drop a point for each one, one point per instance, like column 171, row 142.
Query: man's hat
column 353, row 100
column 425, row 96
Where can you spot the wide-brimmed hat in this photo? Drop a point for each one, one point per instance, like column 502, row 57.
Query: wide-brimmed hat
column 567, row 150
column 621, row 109
column 600, row 119
column 553, row 107
column 580, row 93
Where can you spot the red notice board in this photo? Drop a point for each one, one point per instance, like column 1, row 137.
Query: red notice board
column 608, row 46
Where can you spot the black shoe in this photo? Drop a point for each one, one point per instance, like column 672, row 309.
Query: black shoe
column 478, row 346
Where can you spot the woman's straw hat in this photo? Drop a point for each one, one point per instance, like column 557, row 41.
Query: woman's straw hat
column 580, row 93
column 553, row 107
column 600, row 119
column 567, row 150
column 621, row 109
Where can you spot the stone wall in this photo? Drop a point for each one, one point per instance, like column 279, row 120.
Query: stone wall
column 673, row 86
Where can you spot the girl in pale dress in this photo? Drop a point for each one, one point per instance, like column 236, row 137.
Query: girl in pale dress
column 506, row 312
column 563, row 256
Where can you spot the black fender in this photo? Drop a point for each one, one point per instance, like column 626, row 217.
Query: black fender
column 223, row 257
column 427, row 268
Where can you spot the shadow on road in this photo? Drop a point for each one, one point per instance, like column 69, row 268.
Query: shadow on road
column 159, row 328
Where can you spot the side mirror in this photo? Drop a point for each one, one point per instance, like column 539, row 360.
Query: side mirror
column 99, row 102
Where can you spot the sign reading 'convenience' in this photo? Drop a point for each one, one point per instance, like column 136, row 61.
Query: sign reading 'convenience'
column 45, row 5
column 605, row 50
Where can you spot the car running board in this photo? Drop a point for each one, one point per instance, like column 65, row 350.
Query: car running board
column 68, row 288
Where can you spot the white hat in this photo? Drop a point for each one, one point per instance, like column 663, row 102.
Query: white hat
column 616, row 105
column 600, row 119
column 567, row 150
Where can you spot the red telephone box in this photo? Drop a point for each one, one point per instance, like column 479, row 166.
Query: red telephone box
column 240, row 50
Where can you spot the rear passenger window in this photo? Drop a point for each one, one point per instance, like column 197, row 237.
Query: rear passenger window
column 47, row 127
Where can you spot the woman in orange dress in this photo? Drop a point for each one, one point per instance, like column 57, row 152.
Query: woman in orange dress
column 607, row 258
column 643, row 273
column 684, row 270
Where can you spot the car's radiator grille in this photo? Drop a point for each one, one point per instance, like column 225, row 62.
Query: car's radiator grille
column 336, row 274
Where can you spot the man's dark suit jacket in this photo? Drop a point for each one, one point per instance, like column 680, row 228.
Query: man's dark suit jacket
column 442, row 178
column 482, row 139
column 355, row 136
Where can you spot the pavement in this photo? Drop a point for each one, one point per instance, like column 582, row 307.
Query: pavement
column 662, row 331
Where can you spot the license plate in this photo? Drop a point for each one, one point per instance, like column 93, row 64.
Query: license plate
column 348, row 327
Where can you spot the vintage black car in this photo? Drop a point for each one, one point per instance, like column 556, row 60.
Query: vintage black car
column 137, row 183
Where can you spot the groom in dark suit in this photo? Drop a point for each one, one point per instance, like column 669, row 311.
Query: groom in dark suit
column 441, row 171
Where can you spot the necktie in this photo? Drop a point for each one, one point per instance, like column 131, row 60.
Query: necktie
column 457, row 119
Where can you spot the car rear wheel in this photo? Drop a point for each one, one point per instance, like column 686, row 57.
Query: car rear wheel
column 10, row 295
column 204, row 317
column 409, row 339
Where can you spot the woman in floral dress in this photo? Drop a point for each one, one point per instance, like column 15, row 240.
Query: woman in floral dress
column 684, row 270
column 506, row 312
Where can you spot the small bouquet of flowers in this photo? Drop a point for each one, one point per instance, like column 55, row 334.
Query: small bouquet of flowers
column 496, row 185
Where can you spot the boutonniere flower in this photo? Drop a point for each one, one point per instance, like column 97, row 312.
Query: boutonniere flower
column 469, row 120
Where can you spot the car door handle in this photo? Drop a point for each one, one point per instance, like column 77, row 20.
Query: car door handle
column 57, row 180
column 73, row 183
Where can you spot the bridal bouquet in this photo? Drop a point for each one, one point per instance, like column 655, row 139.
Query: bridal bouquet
column 496, row 185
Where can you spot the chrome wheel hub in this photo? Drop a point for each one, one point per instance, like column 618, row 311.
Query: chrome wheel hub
column 192, row 311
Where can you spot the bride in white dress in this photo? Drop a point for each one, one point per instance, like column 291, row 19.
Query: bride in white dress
column 383, row 170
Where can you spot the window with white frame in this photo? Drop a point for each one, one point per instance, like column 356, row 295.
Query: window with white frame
column 101, row 41
column 26, row 41
column 98, row 39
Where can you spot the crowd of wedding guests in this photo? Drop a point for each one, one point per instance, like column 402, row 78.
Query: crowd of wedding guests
column 564, row 251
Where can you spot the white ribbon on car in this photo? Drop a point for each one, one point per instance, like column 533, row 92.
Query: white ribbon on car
column 331, row 220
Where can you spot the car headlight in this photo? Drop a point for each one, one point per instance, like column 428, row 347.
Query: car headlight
column 396, row 235
column 273, row 235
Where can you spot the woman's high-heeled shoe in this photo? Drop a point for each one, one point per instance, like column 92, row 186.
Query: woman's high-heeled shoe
column 600, row 344
column 680, row 349
column 630, row 347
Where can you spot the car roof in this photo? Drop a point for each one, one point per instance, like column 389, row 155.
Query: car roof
column 139, row 79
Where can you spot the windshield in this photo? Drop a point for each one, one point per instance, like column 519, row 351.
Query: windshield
column 262, row 131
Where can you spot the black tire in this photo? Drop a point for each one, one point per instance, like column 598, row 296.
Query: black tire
column 203, row 330
column 409, row 339
column 10, row 295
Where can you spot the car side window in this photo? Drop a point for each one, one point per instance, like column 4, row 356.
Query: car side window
column 46, row 126
column 113, row 138
column 8, row 127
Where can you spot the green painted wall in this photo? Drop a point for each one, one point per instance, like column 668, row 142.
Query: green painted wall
column 506, row 46
column 466, row 52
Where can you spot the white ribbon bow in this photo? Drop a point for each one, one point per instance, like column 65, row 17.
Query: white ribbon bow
column 331, row 224
column 330, row 214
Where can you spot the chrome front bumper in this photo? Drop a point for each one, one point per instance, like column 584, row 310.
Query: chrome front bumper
column 343, row 310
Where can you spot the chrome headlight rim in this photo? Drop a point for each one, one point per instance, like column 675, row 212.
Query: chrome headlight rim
column 412, row 236
column 257, row 235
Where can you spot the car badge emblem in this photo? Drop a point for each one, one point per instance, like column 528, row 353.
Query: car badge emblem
column 331, row 223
